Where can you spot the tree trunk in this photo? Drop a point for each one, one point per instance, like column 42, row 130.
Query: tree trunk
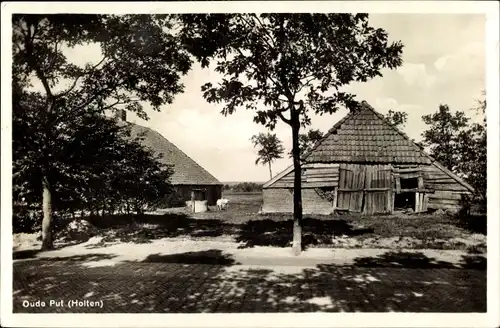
column 270, row 171
column 297, row 191
column 47, row 242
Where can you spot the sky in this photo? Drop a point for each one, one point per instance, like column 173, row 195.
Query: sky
column 443, row 63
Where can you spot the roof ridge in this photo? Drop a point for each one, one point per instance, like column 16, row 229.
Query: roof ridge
column 420, row 149
column 365, row 105
column 393, row 126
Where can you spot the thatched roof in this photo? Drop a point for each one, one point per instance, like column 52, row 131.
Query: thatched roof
column 365, row 136
column 186, row 170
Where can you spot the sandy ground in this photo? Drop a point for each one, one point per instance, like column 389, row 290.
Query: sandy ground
column 259, row 255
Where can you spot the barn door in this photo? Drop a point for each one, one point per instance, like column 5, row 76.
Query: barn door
column 351, row 185
column 378, row 189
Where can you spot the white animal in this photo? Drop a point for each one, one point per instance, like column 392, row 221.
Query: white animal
column 222, row 204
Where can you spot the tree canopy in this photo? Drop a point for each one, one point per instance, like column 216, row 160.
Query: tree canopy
column 285, row 67
column 142, row 60
column 269, row 148
column 276, row 58
column 460, row 145
column 96, row 166
column 307, row 141
column 397, row 118
column 441, row 136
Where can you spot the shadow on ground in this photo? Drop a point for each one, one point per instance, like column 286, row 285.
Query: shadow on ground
column 25, row 254
column 184, row 283
column 212, row 256
column 31, row 254
column 266, row 230
column 418, row 260
column 144, row 228
column 475, row 223
column 270, row 232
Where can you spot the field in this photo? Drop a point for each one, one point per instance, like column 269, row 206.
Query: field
column 387, row 231
column 242, row 223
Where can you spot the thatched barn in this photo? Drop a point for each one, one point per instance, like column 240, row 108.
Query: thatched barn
column 188, row 176
column 364, row 164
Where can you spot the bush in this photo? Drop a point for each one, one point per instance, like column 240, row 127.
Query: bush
column 174, row 200
column 467, row 219
column 26, row 219
column 247, row 187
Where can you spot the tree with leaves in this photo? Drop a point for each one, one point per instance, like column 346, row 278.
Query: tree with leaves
column 141, row 63
column 307, row 142
column 397, row 118
column 286, row 67
column 269, row 148
column 460, row 146
column 100, row 167
column 442, row 135
column 472, row 154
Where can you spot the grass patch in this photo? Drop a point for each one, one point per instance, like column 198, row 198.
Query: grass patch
column 242, row 222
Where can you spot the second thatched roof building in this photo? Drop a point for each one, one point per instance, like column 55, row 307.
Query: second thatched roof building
column 188, row 175
column 364, row 164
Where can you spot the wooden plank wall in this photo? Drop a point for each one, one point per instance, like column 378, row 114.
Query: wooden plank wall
column 447, row 191
column 378, row 189
column 351, row 184
column 316, row 176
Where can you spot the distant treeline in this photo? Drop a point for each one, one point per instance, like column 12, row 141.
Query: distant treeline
column 244, row 187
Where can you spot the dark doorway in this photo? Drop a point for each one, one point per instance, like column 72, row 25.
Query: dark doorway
column 406, row 198
column 411, row 183
column 404, row 201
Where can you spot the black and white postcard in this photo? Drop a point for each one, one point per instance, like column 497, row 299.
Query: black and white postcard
column 237, row 164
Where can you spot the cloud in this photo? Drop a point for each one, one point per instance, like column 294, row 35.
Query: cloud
column 443, row 62
column 416, row 75
column 384, row 104
column 468, row 60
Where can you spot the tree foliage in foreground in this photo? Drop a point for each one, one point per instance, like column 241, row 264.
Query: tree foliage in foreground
column 142, row 60
column 269, row 148
column 96, row 167
column 284, row 67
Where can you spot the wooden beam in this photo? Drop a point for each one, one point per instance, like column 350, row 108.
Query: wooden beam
column 417, row 202
column 317, row 184
column 444, row 201
column 393, row 199
column 335, row 192
column 442, row 206
column 449, row 187
column 377, row 189
column 321, row 165
column 409, row 170
column 425, row 202
column 420, row 182
column 417, row 190
column 412, row 175
column 321, row 180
